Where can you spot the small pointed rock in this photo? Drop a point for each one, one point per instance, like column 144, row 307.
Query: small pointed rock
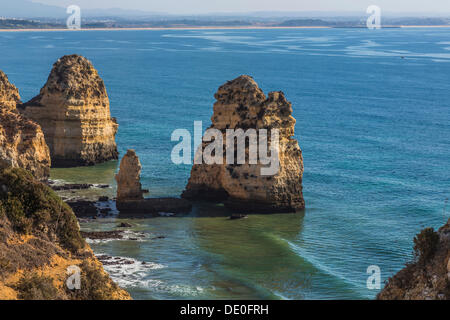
column 128, row 179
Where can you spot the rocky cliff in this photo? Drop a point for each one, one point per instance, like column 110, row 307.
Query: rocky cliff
column 9, row 95
column 40, row 242
column 128, row 178
column 428, row 276
column 241, row 104
column 73, row 111
column 22, row 142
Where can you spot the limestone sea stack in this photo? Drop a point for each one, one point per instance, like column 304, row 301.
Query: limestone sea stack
column 128, row 179
column 22, row 143
column 130, row 200
column 241, row 104
column 73, row 111
column 428, row 276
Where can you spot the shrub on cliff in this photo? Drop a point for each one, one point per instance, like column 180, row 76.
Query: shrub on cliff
column 425, row 245
column 31, row 207
column 95, row 284
column 35, row 287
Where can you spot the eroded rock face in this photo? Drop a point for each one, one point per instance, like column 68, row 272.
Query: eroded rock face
column 242, row 104
column 73, row 111
column 427, row 278
column 22, row 143
column 9, row 95
column 128, row 178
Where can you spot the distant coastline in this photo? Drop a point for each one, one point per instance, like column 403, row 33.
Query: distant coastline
column 163, row 28
column 214, row 28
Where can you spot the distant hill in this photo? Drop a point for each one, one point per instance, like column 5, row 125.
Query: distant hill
column 27, row 9
column 25, row 14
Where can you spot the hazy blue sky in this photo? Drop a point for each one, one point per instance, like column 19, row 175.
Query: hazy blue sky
column 206, row 6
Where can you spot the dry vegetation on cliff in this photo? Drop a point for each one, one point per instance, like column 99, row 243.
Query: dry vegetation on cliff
column 39, row 239
column 428, row 276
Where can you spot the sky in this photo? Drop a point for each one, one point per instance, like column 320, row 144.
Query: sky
column 226, row 6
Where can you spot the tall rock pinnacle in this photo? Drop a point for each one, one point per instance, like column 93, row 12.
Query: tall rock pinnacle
column 241, row 104
column 128, row 179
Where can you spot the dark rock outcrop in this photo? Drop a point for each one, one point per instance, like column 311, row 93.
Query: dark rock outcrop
column 154, row 206
column 83, row 208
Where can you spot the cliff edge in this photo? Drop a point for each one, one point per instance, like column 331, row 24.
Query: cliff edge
column 39, row 241
column 428, row 277
column 22, row 142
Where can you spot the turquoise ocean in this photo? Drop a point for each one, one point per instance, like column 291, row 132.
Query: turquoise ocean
column 373, row 121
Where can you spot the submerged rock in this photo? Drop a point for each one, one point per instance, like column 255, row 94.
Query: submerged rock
column 83, row 208
column 241, row 104
column 73, row 111
column 22, row 142
column 154, row 206
column 128, row 178
column 72, row 186
column 428, row 277
column 102, row 235
column 238, row 216
column 124, row 225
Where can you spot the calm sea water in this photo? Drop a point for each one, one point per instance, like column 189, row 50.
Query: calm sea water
column 373, row 121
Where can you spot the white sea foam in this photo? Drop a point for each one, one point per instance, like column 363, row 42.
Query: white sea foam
column 132, row 273
column 166, row 214
column 127, row 235
column 129, row 272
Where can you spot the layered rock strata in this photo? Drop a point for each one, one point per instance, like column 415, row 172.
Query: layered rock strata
column 22, row 142
column 73, row 111
column 128, row 178
column 241, row 104
column 9, row 94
